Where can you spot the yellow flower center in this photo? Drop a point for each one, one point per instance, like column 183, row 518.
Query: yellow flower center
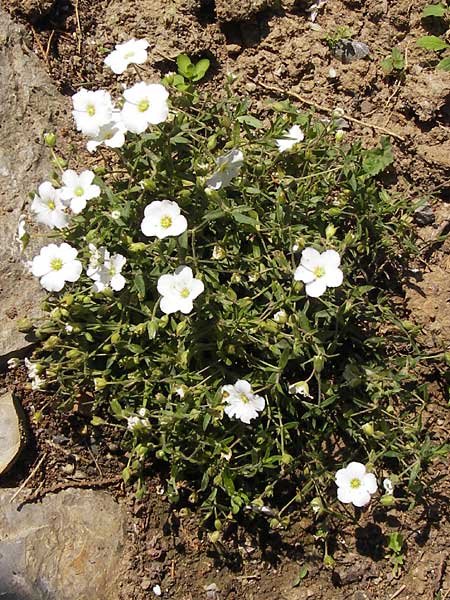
column 78, row 191
column 128, row 54
column 51, row 204
column 184, row 293
column 244, row 398
column 319, row 272
column 355, row 483
column 90, row 110
column 112, row 271
column 166, row 222
column 143, row 105
column 56, row 264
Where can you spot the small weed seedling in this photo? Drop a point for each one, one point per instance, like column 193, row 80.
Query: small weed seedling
column 394, row 64
column 433, row 42
column 396, row 547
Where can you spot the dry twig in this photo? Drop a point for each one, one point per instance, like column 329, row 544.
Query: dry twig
column 326, row 109
column 30, row 477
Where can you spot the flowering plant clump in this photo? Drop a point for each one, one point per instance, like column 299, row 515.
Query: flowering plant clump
column 225, row 299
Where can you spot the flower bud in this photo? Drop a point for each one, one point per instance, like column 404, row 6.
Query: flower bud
column 51, row 342
column 330, row 231
column 100, row 170
column 339, row 135
column 100, row 383
column 148, row 185
column 387, row 500
column 24, row 325
column 137, row 247
column 50, row 139
column 317, row 506
column 59, row 162
column 368, row 429
column 328, row 561
column 286, row 459
column 218, row 253
column 214, row 537
column 318, row 363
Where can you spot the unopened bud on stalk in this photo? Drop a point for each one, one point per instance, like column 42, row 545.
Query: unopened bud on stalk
column 330, row 231
column 50, row 139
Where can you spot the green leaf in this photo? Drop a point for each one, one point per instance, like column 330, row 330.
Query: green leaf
column 387, row 65
column 397, row 59
column 444, row 65
column 184, row 64
column 434, row 10
column 200, row 69
column 302, row 574
column 432, row 42
column 251, row 121
column 378, row 159
column 244, row 219
column 139, row 285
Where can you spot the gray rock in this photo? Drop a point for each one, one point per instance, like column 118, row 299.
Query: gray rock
column 29, row 104
column 10, row 431
column 67, row 547
column 348, row 51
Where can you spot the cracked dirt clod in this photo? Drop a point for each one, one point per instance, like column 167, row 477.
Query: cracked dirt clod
column 31, row 9
column 240, row 10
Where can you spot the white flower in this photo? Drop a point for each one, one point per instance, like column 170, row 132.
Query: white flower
column 280, row 317
column 179, row 290
column 145, row 104
column 22, row 236
column 294, row 136
column 55, row 265
column 180, row 391
column 78, row 189
column 105, row 270
column 134, row 423
column 91, row 110
column 68, row 328
column 319, row 271
column 241, row 402
column 48, row 207
column 229, row 166
column 133, row 51
column 37, row 382
column 313, row 9
column 162, row 219
column 112, row 134
column 355, row 485
column 115, row 214
column 388, row 486
column 13, row 363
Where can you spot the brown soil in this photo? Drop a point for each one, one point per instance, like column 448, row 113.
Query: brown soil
column 275, row 48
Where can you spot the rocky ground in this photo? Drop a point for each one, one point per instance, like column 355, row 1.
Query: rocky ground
column 81, row 535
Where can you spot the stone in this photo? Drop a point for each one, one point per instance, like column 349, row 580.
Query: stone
column 11, row 434
column 29, row 106
column 241, row 10
column 69, row 546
